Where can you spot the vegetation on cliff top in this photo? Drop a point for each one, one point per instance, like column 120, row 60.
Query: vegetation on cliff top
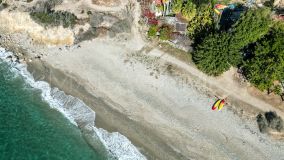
column 44, row 14
column 54, row 18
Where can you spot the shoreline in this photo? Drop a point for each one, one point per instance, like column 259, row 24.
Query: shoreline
column 41, row 70
column 154, row 140
column 137, row 89
column 165, row 116
column 78, row 113
column 150, row 141
column 176, row 127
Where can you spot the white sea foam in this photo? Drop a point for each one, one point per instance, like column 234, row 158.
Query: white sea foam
column 114, row 145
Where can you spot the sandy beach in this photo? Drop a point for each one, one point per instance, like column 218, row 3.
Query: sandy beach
column 160, row 102
column 165, row 116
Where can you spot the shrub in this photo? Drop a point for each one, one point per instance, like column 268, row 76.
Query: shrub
column 89, row 13
column 165, row 33
column 152, row 32
column 189, row 11
column 177, row 6
column 269, row 120
column 274, row 121
column 54, row 18
column 262, row 123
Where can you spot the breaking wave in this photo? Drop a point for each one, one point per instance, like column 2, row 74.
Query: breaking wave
column 112, row 145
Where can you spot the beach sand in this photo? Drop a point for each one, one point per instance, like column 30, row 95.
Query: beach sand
column 164, row 116
column 130, row 85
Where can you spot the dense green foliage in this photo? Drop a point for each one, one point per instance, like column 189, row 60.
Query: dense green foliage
column 165, row 33
column 177, row 6
column 203, row 21
column 267, row 65
column 55, row 18
column 189, row 10
column 152, row 32
column 252, row 25
column 211, row 56
column 225, row 48
column 251, row 41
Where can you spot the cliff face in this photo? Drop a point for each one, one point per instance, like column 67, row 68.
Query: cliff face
column 93, row 19
column 20, row 22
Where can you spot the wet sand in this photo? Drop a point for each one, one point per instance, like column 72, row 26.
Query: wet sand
column 164, row 117
column 106, row 116
column 128, row 85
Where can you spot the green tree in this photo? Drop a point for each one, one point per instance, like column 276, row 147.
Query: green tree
column 201, row 22
column 189, row 10
column 267, row 65
column 177, row 6
column 211, row 56
column 253, row 25
column 217, row 52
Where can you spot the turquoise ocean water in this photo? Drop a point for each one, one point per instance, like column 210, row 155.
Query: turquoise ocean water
column 31, row 130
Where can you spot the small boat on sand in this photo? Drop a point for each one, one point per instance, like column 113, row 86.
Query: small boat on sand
column 221, row 105
column 216, row 104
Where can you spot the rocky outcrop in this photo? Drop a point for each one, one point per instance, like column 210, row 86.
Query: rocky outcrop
column 20, row 22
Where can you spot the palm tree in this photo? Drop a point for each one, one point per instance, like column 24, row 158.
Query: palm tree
column 177, row 6
column 189, row 10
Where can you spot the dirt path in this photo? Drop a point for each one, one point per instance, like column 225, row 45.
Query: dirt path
column 172, row 120
column 224, row 83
